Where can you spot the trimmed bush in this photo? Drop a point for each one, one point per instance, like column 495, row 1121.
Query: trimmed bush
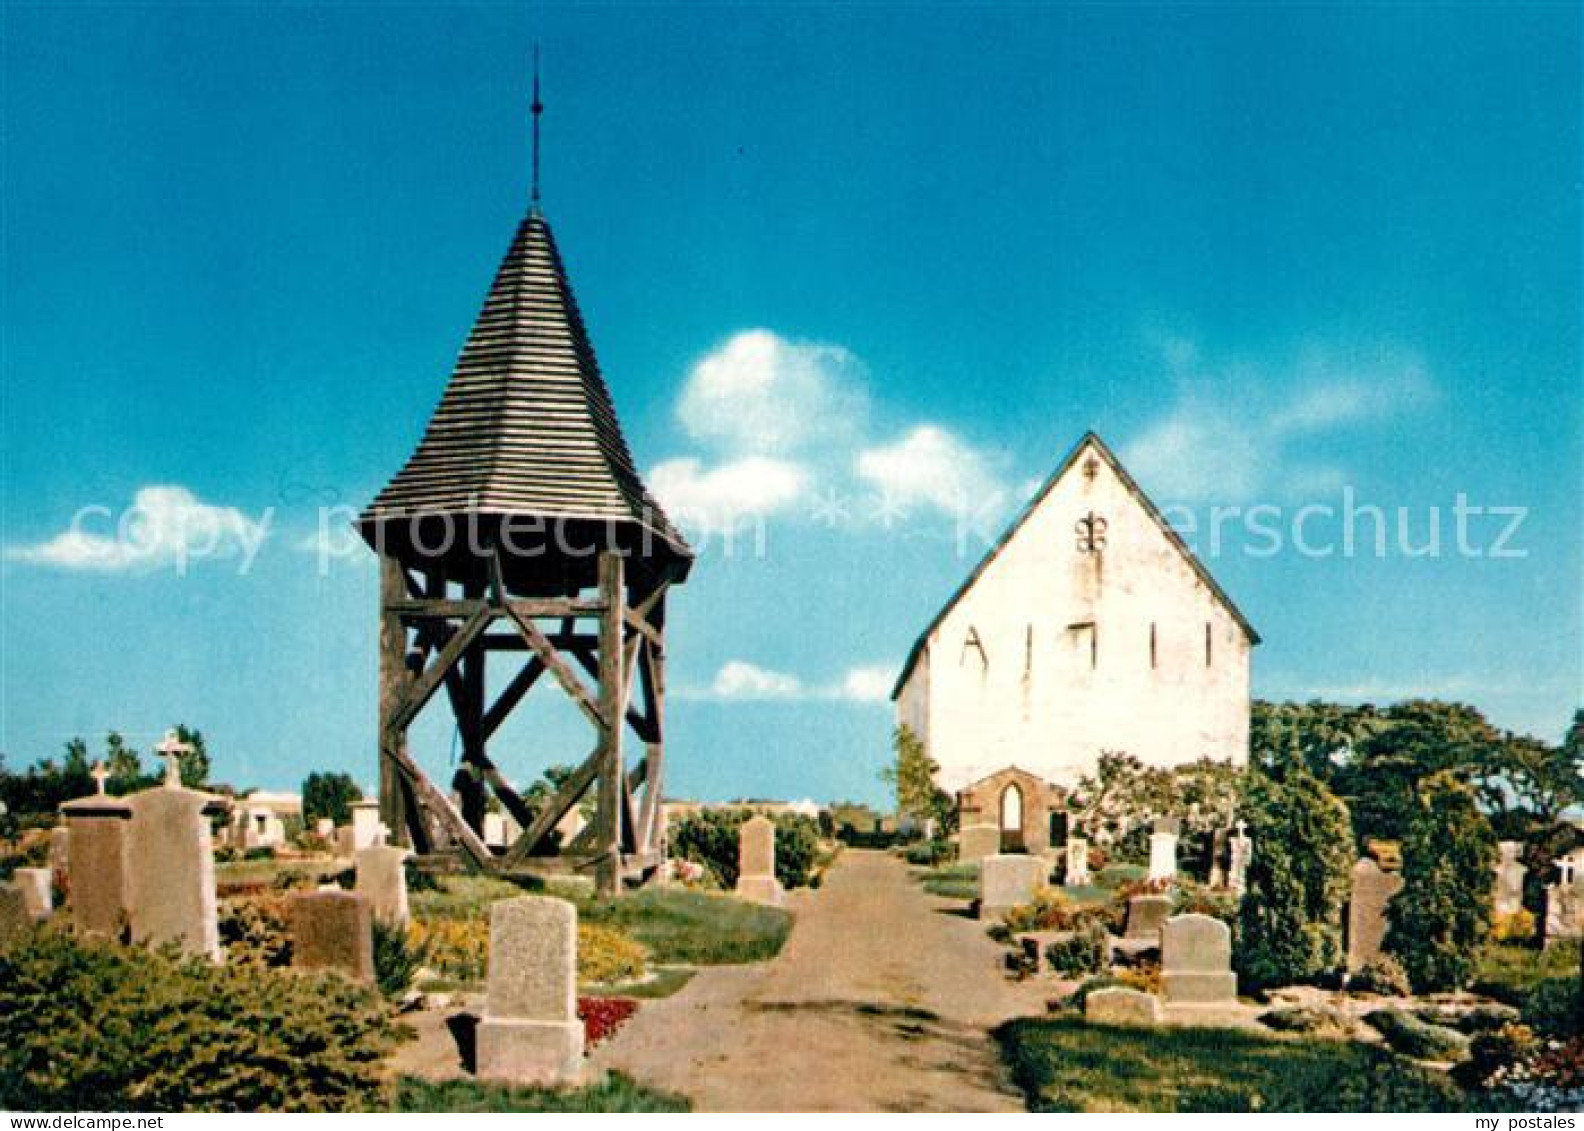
column 88, row 1026
column 1086, row 951
column 1382, row 975
column 1310, row 1022
column 254, row 931
column 1410, row 1036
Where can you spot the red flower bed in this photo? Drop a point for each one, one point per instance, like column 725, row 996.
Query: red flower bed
column 602, row 1016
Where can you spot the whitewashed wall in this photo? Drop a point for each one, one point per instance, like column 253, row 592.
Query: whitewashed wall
column 1038, row 701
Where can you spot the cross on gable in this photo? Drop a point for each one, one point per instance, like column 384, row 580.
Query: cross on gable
column 171, row 748
column 100, row 775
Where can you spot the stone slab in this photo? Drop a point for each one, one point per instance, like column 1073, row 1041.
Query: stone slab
column 382, row 880
column 1199, row 989
column 1163, row 856
column 1007, row 881
column 332, row 930
column 96, row 886
column 1195, row 944
column 761, row 889
column 756, row 847
column 1367, row 920
column 15, row 922
column 1145, row 914
column 532, row 960
column 1119, row 1005
column 535, row 1053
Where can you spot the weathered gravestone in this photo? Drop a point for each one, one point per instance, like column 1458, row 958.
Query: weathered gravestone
column 1218, row 858
column 332, row 930
column 1564, row 903
column 756, row 878
column 15, row 922
column 36, row 889
column 98, row 829
column 1373, row 889
column 1145, row 914
column 170, row 869
column 366, row 828
column 1507, row 891
column 1077, row 874
column 1007, row 881
column 1163, row 849
column 975, row 842
column 60, row 854
column 1119, row 1005
column 530, row 1032
column 1240, row 849
column 382, row 880
column 1196, row 961
column 494, row 830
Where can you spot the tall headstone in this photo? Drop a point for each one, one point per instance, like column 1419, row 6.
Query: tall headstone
column 1196, row 961
column 1507, row 891
column 332, row 930
column 37, row 890
column 1373, row 889
column 170, row 866
column 382, row 880
column 975, row 842
column 1240, row 849
column 530, row 1033
column 1218, row 858
column 1008, row 881
column 1163, row 849
column 366, row 828
column 1077, row 873
column 98, row 830
column 756, row 878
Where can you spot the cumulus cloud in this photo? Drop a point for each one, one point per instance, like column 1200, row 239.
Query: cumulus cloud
column 1239, row 430
column 739, row 681
column 718, row 496
column 932, row 467
column 164, row 526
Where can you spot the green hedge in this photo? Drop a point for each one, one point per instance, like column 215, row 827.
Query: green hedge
column 709, row 837
column 87, row 1026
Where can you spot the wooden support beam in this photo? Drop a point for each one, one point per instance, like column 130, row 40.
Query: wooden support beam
column 588, row 658
column 422, row 689
column 511, row 695
column 570, row 793
column 438, row 805
column 558, row 667
column 392, row 687
column 455, row 608
column 653, row 684
column 612, row 700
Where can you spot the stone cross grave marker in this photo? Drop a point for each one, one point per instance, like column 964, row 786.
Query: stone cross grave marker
column 171, row 748
column 1077, row 862
column 530, row 1033
column 756, row 878
column 1163, row 849
column 1507, row 891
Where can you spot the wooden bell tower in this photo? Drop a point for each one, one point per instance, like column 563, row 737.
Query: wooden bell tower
column 520, row 533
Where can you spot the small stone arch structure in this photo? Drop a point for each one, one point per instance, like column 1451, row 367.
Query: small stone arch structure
column 1018, row 803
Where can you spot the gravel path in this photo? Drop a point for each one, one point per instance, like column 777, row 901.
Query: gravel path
column 881, row 1000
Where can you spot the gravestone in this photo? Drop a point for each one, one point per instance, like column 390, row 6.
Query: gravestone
column 756, row 878
column 1218, row 858
column 15, row 922
column 494, row 830
column 1006, row 882
column 975, row 842
column 1240, row 849
column 1564, row 903
column 170, row 868
column 60, row 854
column 1077, row 874
column 324, row 828
column 1507, row 892
column 1145, row 914
column 1119, row 1005
column 332, row 930
column 1196, row 961
column 366, row 827
column 98, row 829
column 37, row 891
column 530, row 1033
column 1163, row 849
column 1373, row 889
column 382, row 880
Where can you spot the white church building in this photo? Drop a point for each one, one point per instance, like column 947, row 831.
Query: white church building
column 1089, row 626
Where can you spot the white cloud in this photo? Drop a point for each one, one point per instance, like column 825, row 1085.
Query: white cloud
column 868, row 684
column 932, row 467
column 738, row 680
column 761, row 393
column 1239, row 432
column 164, row 526
column 717, row 497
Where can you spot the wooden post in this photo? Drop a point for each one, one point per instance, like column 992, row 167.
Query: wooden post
column 469, row 710
column 392, row 683
column 608, row 816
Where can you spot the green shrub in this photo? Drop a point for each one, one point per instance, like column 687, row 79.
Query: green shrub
column 87, row 1026
column 1480, row 1019
column 1086, row 951
column 254, row 931
column 1080, row 996
column 1309, row 1021
column 1290, row 922
column 1554, row 1008
column 1441, row 917
column 399, row 953
column 1382, row 975
column 709, row 837
column 1410, row 1036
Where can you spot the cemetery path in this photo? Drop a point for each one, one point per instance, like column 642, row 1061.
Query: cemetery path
column 881, row 1000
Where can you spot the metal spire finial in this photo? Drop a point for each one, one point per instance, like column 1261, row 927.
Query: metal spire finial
column 538, row 109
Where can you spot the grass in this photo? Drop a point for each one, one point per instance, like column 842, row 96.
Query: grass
column 694, row 928
column 263, row 870
column 1066, row 1064
column 615, row 1093
column 463, row 897
column 666, row 981
column 951, row 881
column 1508, row 971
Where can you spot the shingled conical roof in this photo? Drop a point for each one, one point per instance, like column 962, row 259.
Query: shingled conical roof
column 526, row 426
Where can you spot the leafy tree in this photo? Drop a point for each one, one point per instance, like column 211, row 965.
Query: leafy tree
column 1323, row 737
column 1122, row 794
column 1441, row 916
column 327, row 794
column 1290, row 920
column 912, row 776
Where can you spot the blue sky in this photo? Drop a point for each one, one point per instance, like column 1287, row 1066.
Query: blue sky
column 843, row 266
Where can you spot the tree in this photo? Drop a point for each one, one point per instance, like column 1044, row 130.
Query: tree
column 124, row 766
column 912, row 776
column 1290, row 920
column 193, row 764
column 329, row 795
column 1323, row 737
column 1441, row 916
column 1122, row 794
